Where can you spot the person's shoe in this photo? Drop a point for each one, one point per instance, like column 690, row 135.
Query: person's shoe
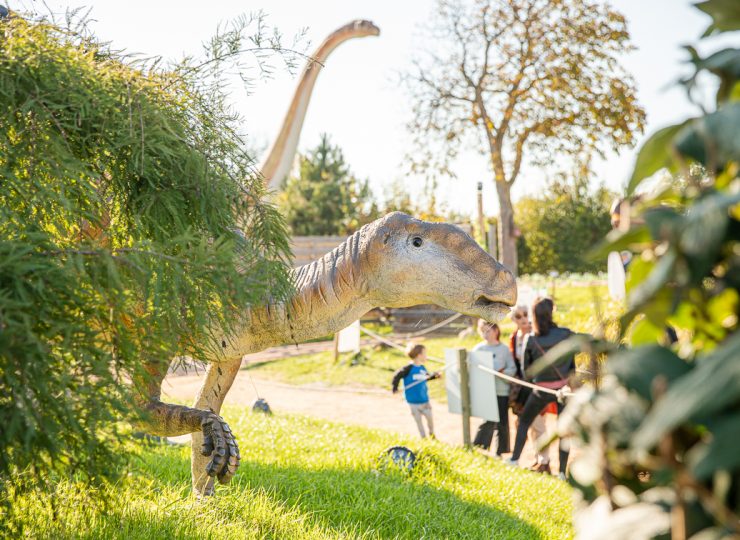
column 543, row 468
column 512, row 462
column 561, row 476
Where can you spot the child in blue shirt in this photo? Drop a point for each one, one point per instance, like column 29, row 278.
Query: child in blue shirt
column 415, row 377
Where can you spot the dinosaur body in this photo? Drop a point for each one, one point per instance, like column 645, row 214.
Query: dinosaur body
column 396, row 261
column 380, row 265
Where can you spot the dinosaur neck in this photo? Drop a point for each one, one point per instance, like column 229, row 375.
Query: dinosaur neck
column 280, row 157
column 331, row 293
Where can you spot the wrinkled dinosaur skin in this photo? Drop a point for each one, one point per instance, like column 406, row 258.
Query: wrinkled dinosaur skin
column 396, row 261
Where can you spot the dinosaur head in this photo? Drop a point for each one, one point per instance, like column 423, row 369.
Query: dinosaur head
column 411, row 262
column 360, row 28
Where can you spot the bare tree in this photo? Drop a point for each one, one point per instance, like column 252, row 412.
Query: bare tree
column 516, row 78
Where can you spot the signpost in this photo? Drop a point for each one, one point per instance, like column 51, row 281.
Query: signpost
column 470, row 391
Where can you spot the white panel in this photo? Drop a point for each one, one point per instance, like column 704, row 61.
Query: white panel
column 349, row 338
column 616, row 276
column 483, row 402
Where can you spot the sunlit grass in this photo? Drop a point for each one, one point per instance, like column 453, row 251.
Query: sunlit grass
column 306, row 478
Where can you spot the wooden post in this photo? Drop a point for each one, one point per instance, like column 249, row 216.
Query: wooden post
column 462, row 362
column 492, row 241
column 481, row 217
column 336, row 348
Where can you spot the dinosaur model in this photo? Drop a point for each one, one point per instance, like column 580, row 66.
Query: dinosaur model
column 396, row 261
column 278, row 161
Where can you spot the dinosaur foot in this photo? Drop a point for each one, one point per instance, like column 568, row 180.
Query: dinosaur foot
column 219, row 442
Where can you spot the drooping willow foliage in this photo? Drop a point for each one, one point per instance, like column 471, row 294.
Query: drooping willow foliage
column 132, row 227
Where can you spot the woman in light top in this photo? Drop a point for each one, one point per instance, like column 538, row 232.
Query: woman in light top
column 503, row 362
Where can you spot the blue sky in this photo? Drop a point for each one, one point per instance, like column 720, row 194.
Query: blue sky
column 357, row 99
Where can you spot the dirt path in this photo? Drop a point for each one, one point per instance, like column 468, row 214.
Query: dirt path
column 375, row 409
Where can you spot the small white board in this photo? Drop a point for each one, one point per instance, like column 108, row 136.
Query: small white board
column 349, row 338
column 483, row 403
column 616, row 276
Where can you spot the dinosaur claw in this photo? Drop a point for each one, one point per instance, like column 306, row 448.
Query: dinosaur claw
column 219, row 442
column 206, row 448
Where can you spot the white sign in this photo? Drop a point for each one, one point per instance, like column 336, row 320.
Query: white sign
column 616, row 276
column 483, row 403
column 349, row 338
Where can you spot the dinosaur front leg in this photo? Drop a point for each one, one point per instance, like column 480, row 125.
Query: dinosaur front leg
column 219, row 378
column 169, row 420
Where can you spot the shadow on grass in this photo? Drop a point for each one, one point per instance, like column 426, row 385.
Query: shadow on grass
column 359, row 503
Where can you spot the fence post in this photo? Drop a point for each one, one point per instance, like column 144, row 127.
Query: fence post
column 493, row 241
column 336, row 347
column 462, row 362
column 481, row 217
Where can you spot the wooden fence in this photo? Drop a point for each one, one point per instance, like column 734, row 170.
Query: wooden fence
column 309, row 248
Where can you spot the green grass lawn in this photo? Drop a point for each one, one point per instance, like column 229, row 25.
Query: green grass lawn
column 575, row 309
column 306, row 478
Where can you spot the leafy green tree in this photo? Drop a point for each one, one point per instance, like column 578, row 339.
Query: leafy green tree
column 521, row 79
column 122, row 189
column 661, row 425
column 561, row 226
column 325, row 198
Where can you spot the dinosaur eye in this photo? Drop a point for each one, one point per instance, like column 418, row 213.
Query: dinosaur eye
column 417, row 241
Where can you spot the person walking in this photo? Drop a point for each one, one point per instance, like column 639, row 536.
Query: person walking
column 546, row 335
column 415, row 376
column 502, row 361
column 539, row 427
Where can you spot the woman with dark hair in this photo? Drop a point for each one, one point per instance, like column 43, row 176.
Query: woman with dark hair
column 546, row 335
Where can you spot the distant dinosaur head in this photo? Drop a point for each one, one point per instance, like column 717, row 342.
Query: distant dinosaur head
column 359, row 28
column 409, row 262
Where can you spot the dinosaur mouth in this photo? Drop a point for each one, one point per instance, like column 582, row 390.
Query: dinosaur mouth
column 485, row 301
column 491, row 308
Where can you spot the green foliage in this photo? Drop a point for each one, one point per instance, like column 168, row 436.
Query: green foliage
column 661, row 431
column 311, row 479
column 325, row 198
column 725, row 15
column 560, row 226
column 122, row 186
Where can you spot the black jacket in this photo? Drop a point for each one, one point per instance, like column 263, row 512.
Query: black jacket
column 535, row 348
column 399, row 375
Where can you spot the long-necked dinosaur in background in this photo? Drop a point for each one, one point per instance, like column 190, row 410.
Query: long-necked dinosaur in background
column 279, row 159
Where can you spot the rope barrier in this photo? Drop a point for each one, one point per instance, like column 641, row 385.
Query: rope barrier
column 432, row 328
column 559, row 393
column 395, row 345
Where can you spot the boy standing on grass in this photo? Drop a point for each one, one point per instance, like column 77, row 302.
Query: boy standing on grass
column 415, row 377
